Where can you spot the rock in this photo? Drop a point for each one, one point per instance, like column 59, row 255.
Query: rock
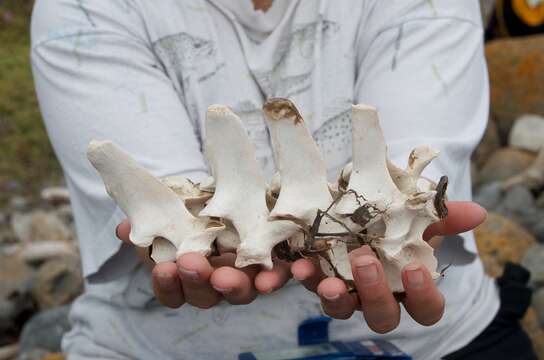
column 500, row 240
column 64, row 212
column 538, row 304
column 488, row 145
column 518, row 204
column 37, row 252
column 15, row 301
column 531, row 325
column 540, row 200
column 532, row 177
column 538, row 231
column 18, row 203
column 9, row 351
column 532, row 261
column 516, row 71
column 528, row 133
column 55, row 196
column 488, row 195
column 36, row 354
column 505, row 163
column 54, row 356
column 39, row 225
column 45, row 330
column 57, row 282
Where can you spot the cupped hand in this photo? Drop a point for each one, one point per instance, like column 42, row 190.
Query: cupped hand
column 381, row 310
column 204, row 282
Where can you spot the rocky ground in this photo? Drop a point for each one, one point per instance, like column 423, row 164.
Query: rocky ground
column 39, row 259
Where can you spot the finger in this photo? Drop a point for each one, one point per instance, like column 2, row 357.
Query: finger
column 235, row 285
column 122, row 231
column 335, row 299
column 380, row 309
column 195, row 272
column 308, row 272
column 267, row 281
column 167, row 286
column 423, row 301
column 462, row 216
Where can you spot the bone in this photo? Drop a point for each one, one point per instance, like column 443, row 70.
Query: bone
column 153, row 209
column 303, row 174
column 240, row 189
column 405, row 216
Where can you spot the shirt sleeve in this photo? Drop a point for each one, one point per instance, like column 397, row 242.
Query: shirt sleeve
column 421, row 63
column 96, row 78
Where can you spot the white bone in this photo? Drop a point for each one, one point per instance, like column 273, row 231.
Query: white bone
column 240, row 193
column 303, row 176
column 153, row 209
column 405, row 215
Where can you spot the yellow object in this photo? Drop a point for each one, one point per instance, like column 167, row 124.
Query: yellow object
column 530, row 15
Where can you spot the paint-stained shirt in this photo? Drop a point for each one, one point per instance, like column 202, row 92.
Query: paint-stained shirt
column 142, row 73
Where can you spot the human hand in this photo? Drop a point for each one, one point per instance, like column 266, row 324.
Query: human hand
column 381, row 310
column 204, row 282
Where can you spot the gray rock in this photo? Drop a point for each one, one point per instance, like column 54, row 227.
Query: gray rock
column 538, row 304
column 18, row 203
column 15, row 300
column 528, row 133
column 540, row 200
column 518, row 204
column 538, row 232
column 34, row 354
column 488, row 195
column 55, row 195
column 45, row 330
column 532, row 261
column 504, row 163
column 39, row 225
column 57, row 282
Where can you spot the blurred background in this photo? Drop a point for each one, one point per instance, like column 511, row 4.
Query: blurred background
column 39, row 261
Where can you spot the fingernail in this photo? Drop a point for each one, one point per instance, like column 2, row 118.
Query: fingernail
column 189, row 274
column 299, row 278
column 164, row 279
column 414, row 275
column 367, row 272
column 222, row 290
column 267, row 291
column 331, row 297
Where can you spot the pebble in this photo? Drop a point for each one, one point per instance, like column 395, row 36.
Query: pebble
column 39, row 225
column 57, row 282
column 538, row 304
column 505, row 163
column 16, row 280
column 488, row 195
column 499, row 240
column 45, row 330
column 528, row 133
column 516, row 73
column 518, row 204
column 57, row 195
column 533, row 261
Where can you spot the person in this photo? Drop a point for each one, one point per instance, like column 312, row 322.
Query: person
column 142, row 73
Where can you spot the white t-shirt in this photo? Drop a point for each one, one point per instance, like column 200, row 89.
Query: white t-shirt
column 142, row 74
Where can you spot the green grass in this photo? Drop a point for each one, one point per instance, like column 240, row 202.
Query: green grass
column 27, row 161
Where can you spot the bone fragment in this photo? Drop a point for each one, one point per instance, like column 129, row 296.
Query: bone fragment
column 152, row 208
column 240, row 189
